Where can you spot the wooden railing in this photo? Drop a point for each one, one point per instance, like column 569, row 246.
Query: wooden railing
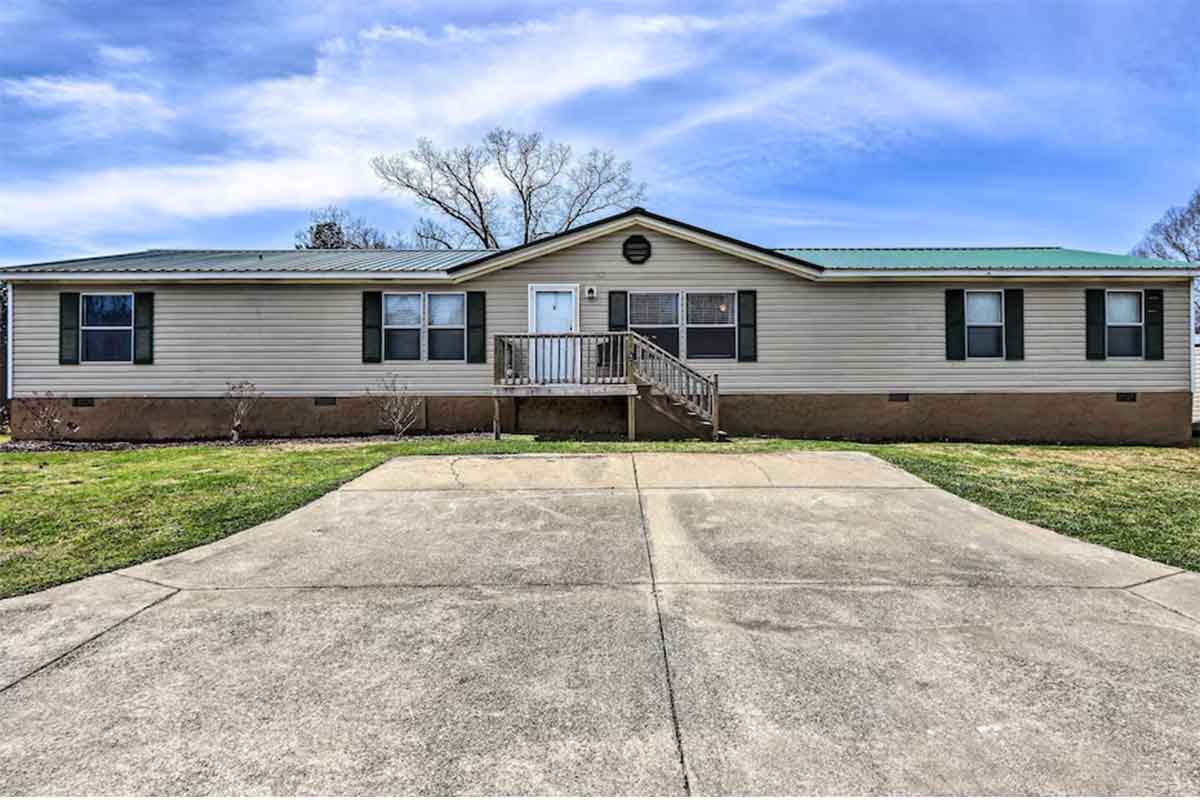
column 549, row 359
column 652, row 364
column 546, row 359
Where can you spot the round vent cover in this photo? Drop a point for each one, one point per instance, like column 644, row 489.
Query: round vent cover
column 636, row 249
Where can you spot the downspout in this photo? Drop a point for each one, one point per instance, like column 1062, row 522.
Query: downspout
column 8, row 347
column 1192, row 337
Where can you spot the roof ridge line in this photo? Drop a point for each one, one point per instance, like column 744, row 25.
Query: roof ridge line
column 934, row 248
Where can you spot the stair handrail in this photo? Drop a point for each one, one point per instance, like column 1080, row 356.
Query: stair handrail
column 707, row 384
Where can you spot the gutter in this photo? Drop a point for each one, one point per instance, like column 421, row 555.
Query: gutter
column 191, row 277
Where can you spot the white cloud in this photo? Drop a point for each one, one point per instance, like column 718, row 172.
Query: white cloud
column 123, row 56
column 366, row 95
column 92, row 107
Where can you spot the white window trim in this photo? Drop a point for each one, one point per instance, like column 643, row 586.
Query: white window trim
column 82, row 328
column 967, row 325
column 687, row 323
column 678, row 307
column 427, row 319
column 1141, row 293
column 419, row 328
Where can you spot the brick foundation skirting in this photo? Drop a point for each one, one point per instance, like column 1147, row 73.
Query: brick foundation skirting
column 1159, row 418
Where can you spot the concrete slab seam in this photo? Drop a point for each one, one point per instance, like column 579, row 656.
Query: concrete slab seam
column 662, row 635
column 1163, row 606
column 1154, row 579
column 88, row 641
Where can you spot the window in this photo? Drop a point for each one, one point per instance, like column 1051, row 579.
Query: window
column 1123, row 312
column 106, row 327
column 985, row 324
column 655, row 315
column 447, row 327
column 1125, row 324
column 711, row 325
column 402, row 327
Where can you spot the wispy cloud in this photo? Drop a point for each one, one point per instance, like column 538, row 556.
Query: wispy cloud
column 91, row 107
column 123, row 56
column 714, row 106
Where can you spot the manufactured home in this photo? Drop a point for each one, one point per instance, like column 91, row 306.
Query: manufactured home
column 636, row 324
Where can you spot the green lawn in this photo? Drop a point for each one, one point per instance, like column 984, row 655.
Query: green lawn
column 64, row 516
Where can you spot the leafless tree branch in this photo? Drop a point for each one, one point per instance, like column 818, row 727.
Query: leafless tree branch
column 333, row 228
column 545, row 190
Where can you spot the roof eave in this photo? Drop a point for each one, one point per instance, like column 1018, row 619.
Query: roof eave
column 1091, row 273
column 247, row 276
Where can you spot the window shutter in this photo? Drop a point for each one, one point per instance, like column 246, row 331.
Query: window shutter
column 1154, row 324
column 143, row 328
column 1014, row 324
column 372, row 327
column 68, row 328
column 1096, row 348
column 618, row 311
column 747, row 315
column 956, row 325
column 476, row 327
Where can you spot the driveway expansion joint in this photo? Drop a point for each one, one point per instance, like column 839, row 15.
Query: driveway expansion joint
column 1132, row 586
column 662, row 635
column 150, row 581
column 76, row 648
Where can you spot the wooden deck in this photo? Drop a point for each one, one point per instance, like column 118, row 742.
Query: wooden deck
column 612, row 364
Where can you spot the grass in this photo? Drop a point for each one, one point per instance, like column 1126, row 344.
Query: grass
column 67, row 515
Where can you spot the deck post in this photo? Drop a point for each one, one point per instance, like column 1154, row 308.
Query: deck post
column 496, row 417
column 716, row 407
column 631, row 413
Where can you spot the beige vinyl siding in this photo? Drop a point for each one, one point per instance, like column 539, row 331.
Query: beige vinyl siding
column 829, row 338
column 1196, row 378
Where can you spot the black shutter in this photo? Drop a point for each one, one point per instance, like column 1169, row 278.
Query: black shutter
column 143, row 328
column 68, row 328
column 372, row 327
column 1096, row 348
column 1154, row 325
column 618, row 311
column 747, row 314
column 1014, row 324
column 956, row 325
column 476, row 327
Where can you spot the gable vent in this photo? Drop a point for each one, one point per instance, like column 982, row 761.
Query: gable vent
column 636, row 249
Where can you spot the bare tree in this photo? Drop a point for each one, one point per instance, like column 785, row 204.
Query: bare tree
column 241, row 398
column 45, row 416
column 398, row 408
column 333, row 228
column 1176, row 237
column 544, row 189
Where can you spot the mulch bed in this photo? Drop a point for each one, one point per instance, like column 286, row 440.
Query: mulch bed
column 31, row 446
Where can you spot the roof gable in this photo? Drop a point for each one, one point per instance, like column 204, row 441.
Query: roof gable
column 635, row 218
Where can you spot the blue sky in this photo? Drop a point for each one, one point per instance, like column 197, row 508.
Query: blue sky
column 126, row 126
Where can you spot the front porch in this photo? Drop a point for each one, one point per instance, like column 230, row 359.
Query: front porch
column 619, row 363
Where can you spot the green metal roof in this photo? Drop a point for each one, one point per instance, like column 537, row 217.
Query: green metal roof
column 217, row 261
column 981, row 258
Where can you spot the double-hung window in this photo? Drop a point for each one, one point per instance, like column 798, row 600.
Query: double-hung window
column 402, row 320
column 1125, row 329
column 655, row 315
column 106, row 327
column 985, row 324
column 447, row 315
column 711, row 325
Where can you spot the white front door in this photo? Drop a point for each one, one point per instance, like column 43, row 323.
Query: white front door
column 554, row 309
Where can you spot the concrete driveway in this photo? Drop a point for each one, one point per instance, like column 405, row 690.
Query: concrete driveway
column 801, row 623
